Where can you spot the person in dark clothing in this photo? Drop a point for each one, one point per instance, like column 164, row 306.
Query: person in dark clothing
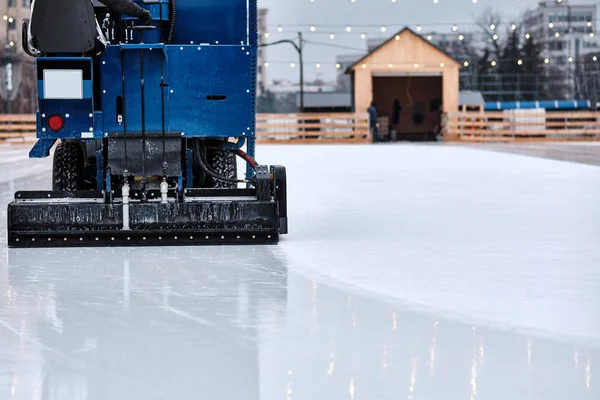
column 374, row 125
column 128, row 7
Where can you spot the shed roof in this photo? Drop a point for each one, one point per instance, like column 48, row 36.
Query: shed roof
column 469, row 98
column 325, row 99
column 406, row 29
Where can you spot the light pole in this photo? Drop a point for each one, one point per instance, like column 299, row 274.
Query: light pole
column 298, row 48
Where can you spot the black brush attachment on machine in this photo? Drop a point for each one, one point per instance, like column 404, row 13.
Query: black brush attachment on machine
column 207, row 216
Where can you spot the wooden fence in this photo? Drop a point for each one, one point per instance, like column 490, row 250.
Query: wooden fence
column 18, row 127
column 313, row 128
column 521, row 125
column 271, row 128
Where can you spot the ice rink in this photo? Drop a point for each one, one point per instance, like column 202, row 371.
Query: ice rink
column 410, row 272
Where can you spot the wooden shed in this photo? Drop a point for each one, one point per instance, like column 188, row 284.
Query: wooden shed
column 411, row 81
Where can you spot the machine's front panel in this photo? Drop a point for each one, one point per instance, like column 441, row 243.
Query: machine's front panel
column 213, row 21
column 212, row 90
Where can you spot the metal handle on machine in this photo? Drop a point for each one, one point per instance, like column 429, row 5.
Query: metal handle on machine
column 142, row 29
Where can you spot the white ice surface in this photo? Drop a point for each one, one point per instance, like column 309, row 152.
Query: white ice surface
column 493, row 238
column 406, row 273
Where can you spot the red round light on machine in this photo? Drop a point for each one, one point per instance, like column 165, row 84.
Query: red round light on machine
column 56, row 123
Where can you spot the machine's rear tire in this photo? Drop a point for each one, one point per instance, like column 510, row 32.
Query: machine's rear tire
column 224, row 163
column 67, row 169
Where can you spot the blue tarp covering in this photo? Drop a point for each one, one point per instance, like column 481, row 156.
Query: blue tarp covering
column 548, row 105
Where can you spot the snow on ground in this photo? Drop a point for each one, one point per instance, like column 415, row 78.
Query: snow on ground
column 496, row 238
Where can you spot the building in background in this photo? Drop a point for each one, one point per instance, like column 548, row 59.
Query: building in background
column 17, row 70
column 567, row 33
column 13, row 13
column 261, row 79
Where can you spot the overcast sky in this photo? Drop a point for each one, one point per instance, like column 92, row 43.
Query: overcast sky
column 295, row 15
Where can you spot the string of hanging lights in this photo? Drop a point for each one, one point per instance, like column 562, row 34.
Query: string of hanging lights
column 493, row 63
column 365, row 30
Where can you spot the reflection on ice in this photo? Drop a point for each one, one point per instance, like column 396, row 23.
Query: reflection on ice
column 114, row 323
column 241, row 323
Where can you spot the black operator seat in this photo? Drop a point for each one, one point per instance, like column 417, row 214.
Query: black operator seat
column 63, row 26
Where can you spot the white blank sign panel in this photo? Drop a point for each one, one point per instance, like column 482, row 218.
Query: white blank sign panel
column 63, row 84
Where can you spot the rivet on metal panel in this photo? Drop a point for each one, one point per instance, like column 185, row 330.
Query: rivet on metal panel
column 43, row 129
column 160, row 238
column 247, row 53
column 103, row 62
column 243, row 48
column 175, row 237
column 192, row 42
column 49, row 239
column 65, row 239
column 181, row 48
column 43, row 115
column 172, row 91
column 67, row 115
column 248, row 128
column 91, row 115
column 217, row 42
column 91, row 129
column 104, row 91
column 248, row 91
column 207, row 237
column 199, row 48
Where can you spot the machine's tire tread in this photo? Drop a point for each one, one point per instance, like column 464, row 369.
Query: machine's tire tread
column 67, row 168
column 224, row 163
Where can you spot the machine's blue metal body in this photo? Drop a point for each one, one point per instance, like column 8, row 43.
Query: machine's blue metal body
column 202, row 84
column 150, row 122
